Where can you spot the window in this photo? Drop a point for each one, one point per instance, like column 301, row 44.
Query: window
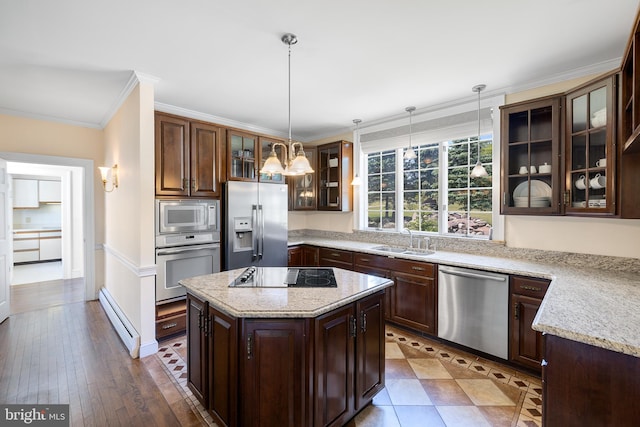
column 434, row 192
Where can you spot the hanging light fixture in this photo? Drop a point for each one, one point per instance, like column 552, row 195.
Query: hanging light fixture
column 478, row 170
column 296, row 163
column 356, row 179
column 410, row 153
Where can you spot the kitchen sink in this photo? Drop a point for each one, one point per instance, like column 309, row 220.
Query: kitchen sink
column 405, row 251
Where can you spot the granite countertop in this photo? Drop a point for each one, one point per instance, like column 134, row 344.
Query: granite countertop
column 267, row 302
column 589, row 305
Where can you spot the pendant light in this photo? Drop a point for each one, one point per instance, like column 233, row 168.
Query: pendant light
column 410, row 153
column 356, row 179
column 478, row 171
column 296, row 163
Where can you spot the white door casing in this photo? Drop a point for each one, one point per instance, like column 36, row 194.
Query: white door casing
column 5, row 242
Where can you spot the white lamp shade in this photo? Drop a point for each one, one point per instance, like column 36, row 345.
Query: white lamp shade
column 104, row 172
column 300, row 165
column 410, row 154
column 479, row 171
column 272, row 165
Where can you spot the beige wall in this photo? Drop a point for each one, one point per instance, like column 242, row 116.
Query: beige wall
column 129, row 211
column 39, row 137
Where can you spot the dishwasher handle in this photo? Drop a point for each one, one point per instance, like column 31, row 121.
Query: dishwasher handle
column 472, row 275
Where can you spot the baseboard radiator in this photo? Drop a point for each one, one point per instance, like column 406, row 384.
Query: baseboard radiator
column 121, row 324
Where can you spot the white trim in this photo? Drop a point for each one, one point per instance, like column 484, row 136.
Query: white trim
column 147, row 349
column 140, row 271
column 184, row 112
column 48, row 118
column 125, row 330
column 135, row 78
column 88, row 208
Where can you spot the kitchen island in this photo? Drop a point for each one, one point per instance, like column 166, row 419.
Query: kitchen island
column 285, row 356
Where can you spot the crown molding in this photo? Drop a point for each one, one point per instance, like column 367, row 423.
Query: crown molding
column 47, row 118
column 185, row 112
column 135, row 78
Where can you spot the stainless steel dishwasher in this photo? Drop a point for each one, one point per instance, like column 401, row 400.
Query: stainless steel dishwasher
column 473, row 309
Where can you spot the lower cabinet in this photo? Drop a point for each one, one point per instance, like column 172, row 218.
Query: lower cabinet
column 525, row 344
column 303, row 256
column 587, row 385
column 286, row 372
column 335, row 258
column 171, row 319
column 349, row 357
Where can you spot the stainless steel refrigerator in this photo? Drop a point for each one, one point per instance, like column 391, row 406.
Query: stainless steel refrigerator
column 255, row 225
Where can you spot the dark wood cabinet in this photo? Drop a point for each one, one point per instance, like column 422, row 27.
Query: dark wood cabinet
column 187, row 157
column 587, row 385
column 222, row 366
column 328, row 257
column 294, row 256
column 334, row 176
column 413, row 296
column 303, row 256
column 590, row 156
column 197, row 348
column 349, row 354
column 273, row 374
column 171, row 319
column 525, row 344
column 242, row 156
column 530, row 139
column 302, row 189
column 630, row 93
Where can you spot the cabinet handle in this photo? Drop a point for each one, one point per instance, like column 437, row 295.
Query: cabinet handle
column 352, row 319
column 516, row 310
column 249, row 346
column 193, row 184
column 185, row 183
column 200, row 321
column 207, row 332
column 169, row 325
column 531, row 288
column 417, row 268
column 334, row 254
column 363, row 327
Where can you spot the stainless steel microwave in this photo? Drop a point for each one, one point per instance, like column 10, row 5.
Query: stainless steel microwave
column 187, row 216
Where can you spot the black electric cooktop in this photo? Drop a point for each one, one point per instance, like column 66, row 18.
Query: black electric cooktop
column 299, row 277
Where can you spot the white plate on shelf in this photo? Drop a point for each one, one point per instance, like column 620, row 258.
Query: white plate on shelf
column 538, row 189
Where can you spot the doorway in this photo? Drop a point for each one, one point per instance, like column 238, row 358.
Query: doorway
column 57, row 268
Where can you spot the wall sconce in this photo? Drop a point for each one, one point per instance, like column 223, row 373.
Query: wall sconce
column 104, row 172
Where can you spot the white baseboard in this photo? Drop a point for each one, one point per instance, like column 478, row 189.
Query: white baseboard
column 121, row 324
column 147, row 349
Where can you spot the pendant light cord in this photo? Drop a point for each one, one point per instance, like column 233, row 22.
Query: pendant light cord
column 289, row 95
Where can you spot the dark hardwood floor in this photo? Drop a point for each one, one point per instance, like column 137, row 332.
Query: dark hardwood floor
column 71, row 354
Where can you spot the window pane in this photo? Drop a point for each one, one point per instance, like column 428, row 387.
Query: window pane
column 429, row 157
column 389, row 161
column 458, row 177
column 388, row 219
column 373, row 182
column 411, row 201
column 429, row 221
column 458, row 222
column 429, row 201
column 458, row 155
column 373, row 164
column 388, row 182
column 411, row 180
column 374, row 201
column 457, row 200
column 429, row 179
column 480, row 200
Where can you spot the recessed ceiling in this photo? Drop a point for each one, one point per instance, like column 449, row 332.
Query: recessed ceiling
column 70, row 60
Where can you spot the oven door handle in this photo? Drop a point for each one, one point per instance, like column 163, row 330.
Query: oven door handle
column 185, row 250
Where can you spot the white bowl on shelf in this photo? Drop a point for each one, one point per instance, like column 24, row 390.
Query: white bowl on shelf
column 599, row 118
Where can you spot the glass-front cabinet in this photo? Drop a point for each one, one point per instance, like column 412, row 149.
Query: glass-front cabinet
column 302, row 189
column 590, row 156
column 334, row 176
column 242, row 156
column 531, row 157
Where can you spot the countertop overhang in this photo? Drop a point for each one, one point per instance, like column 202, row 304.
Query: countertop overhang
column 589, row 305
column 277, row 302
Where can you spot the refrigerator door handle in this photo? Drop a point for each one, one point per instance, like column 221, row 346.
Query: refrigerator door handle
column 256, row 231
column 261, row 233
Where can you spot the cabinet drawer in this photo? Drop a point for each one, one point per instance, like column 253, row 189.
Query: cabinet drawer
column 412, row 267
column 26, row 244
column 366, row 260
column 50, row 234
column 24, row 236
column 528, row 286
column 171, row 325
column 336, row 255
column 26, row 256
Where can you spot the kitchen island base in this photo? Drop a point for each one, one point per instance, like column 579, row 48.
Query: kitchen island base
column 286, row 371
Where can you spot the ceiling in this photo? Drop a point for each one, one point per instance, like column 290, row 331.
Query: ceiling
column 70, row 60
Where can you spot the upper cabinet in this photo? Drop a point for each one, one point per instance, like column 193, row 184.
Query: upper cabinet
column 242, row 156
column 49, row 191
column 25, row 193
column 302, row 188
column 531, row 157
column 630, row 93
column 334, row 176
column 187, row 157
column 590, row 155
column 265, row 149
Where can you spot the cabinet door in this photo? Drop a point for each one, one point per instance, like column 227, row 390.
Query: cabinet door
column 530, row 147
column 204, row 160
column 413, row 302
column 25, row 193
column 334, row 372
column 590, row 154
column 50, row 248
column 222, row 366
column 172, row 156
column 370, row 349
column 273, row 373
column 49, row 191
column 526, row 344
column 335, row 258
column 310, row 255
column 294, row 257
column 334, row 176
column 302, row 188
column 242, row 156
column 196, row 347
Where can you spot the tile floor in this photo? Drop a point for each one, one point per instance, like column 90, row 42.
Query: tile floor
column 427, row 384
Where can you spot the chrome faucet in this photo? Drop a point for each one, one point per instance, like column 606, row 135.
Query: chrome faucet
column 410, row 237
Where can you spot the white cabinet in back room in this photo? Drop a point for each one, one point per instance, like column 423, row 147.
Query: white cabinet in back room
column 25, row 193
column 49, row 191
column 50, row 245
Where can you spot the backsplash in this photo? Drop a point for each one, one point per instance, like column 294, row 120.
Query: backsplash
column 490, row 248
column 45, row 215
